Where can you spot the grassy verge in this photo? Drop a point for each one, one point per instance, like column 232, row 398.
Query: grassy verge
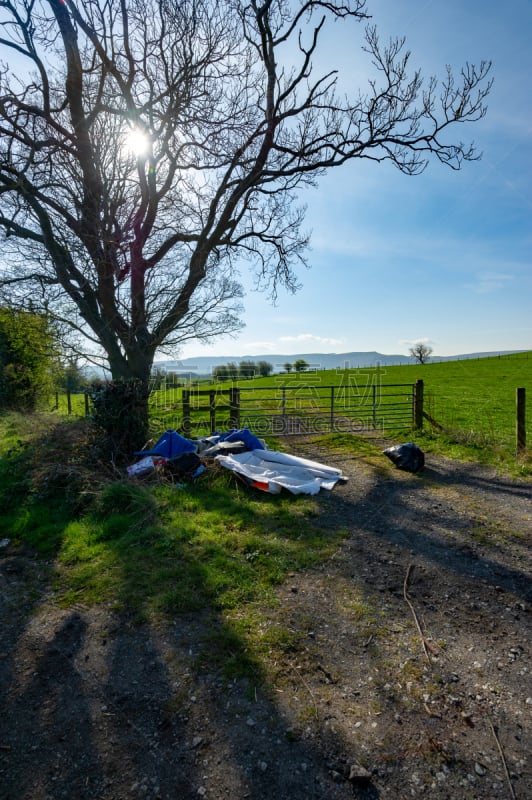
column 454, row 443
column 153, row 548
column 466, row 445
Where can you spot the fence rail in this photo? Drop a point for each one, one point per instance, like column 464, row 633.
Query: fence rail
column 292, row 409
column 295, row 409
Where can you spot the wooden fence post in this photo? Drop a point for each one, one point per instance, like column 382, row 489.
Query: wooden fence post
column 418, row 405
column 87, row 409
column 69, row 402
column 520, row 422
column 185, row 403
column 212, row 411
column 234, row 407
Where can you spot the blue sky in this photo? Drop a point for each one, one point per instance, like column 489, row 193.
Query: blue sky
column 444, row 257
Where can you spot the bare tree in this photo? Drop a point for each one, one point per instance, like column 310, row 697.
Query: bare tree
column 149, row 148
column 421, row 352
column 265, row 368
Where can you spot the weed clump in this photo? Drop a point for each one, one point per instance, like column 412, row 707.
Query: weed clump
column 127, row 499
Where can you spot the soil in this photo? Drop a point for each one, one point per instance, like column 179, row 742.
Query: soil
column 405, row 674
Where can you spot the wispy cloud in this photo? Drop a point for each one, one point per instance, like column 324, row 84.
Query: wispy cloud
column 283, row 344
column 413, row 342
column 487, row 282
column 267, row 347
column 310, row 337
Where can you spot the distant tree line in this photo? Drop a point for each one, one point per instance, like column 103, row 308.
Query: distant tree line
column 161, row 379
column 242, row 370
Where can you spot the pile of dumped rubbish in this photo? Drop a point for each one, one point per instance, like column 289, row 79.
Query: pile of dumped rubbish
column 248, row 457
column 241, row 452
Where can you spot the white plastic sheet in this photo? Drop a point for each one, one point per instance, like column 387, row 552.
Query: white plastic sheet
column 272, row 471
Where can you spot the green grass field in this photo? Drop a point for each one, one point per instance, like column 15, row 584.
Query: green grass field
column 59, row 403
column 474, row 400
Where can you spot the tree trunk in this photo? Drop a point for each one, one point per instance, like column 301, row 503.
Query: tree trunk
column 121, row 406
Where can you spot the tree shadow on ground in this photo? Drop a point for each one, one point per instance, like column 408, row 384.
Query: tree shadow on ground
column 99, row 706
column 141, row 705
column 440, row 532
column 107, row 704
column 46, row 727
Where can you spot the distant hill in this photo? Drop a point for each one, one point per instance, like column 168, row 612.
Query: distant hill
column 203, row 365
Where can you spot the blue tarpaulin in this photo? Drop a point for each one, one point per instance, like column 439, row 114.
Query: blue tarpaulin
column 170, row 445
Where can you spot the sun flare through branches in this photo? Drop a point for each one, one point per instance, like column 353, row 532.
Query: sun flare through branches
column 137, row 142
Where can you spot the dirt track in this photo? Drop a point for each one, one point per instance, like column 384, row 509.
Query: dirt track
column 406, row 670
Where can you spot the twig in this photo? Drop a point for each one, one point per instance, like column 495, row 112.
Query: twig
column 307, row 687
column 327, row 674
column 433, row 422
column 427, row 646
column 503, row 759
column 433, row 714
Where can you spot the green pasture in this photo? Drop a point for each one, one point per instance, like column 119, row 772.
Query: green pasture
column 59, row 402
column 471, row 401
column 474, row 396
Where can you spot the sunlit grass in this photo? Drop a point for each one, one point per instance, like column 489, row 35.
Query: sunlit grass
column 213, row 547
column 203, row 547
column 472, row 402
column 156, row 547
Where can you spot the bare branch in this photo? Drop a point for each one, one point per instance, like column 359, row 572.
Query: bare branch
column 143, row 248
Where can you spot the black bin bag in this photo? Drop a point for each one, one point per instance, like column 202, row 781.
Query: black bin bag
column 407, row 456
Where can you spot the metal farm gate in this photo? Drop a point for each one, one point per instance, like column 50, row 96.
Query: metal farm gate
column 299, row 408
